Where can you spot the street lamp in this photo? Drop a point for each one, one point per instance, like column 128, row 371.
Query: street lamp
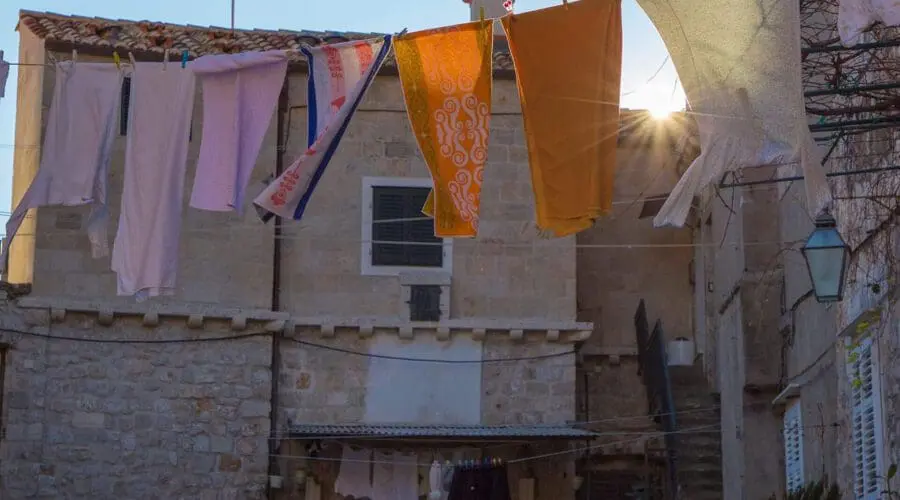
column 826, row 257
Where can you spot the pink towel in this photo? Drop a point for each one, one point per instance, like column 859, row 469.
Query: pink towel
column 77, row 143
column 240, row 92
column 145, row 253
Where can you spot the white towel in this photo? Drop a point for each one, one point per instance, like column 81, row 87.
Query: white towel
column 354, row 478
column 75, row 157
column 145, row 253
column 856, row 16
column 4, row 74
column 240, row 92
column 742, row 74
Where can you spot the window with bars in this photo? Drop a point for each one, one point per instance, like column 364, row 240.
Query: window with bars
column 865, row 397
column 397, row 241
column 793, row 447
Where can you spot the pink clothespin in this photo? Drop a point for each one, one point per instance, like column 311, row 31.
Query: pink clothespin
column 508, row 5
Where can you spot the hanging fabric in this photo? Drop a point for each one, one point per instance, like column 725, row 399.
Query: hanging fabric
column 739, row 63
column 4, row 74
column 76, row 152
column 395, row 477
column 335, row 93
column 145, row 252
column 240, row 93
column 856, row 16
column 446, row 78
column 354, row 479
column 568, row 62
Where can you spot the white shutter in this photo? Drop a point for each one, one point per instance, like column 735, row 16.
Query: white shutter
column 793, row 447
column 866, row 422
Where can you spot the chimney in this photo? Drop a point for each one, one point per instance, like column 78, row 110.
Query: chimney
column 492, row 10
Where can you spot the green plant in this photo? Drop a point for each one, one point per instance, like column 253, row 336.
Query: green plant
column 814, row 490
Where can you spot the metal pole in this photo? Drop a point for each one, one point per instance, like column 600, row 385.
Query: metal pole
column 800, row 177
column 852, row 90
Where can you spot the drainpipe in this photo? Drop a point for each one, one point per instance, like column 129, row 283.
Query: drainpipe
column 275, row 366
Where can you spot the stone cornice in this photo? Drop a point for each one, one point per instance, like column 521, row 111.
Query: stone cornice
column 196, row 315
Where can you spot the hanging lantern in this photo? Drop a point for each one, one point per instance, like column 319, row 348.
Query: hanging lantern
column 826, row 257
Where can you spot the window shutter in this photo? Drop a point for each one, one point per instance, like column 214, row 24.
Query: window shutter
column 390, row 203
column 124, row 105
column 793, row 447
column 425, row 303
column 866, row 432
column 421, row 231
column 387, row 204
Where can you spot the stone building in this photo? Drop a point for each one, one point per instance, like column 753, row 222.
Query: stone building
column 279, row 337
column 810, row 390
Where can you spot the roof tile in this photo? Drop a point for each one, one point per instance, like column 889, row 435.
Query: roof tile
column 157, row 37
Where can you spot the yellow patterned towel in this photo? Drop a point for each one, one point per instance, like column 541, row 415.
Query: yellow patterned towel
column 568, row 62
column 446, row 79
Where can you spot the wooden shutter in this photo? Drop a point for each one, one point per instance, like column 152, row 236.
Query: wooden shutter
column 390, row 203
column 793, row 447
column 866, row 432
column 425, row 303
column 124, row 105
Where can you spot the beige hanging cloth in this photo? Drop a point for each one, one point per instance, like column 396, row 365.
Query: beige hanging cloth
column 568, row 63
column 739, row 63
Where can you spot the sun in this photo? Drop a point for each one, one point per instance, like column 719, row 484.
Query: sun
column 658, row 101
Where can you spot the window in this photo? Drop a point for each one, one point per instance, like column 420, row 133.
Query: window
column 865, row 398
column 793, row 447
column 392, row 242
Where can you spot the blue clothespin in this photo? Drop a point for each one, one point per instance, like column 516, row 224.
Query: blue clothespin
column 184, row 58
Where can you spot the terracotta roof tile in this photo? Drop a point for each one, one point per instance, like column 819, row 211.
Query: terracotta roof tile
column 156, row 37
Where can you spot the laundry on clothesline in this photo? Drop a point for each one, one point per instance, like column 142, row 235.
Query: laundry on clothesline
column 568, row 62
column 145, row 252
column 4, row 74
column 856, row 16
column 240, row 93
column 341, row 75
column 742, row 77
column 450, row 115
column 74, row 165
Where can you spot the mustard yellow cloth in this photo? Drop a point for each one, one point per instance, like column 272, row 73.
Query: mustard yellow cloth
column 568, row 62
column 446, row 79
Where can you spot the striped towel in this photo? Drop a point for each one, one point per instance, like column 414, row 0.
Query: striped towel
column 339, row 76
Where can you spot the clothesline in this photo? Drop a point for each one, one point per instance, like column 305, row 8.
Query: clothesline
column 475, row 242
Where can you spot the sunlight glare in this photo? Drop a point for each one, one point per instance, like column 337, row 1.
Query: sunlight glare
column 660, row 102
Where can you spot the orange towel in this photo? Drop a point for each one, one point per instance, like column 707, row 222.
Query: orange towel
column 568, row 62
column 446, row 79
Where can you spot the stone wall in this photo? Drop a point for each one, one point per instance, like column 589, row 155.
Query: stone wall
column 613, row 278
column 507, row 272
column 325, row 386
column 103, row 420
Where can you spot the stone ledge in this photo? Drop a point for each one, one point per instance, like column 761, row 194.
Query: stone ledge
column 196, row 315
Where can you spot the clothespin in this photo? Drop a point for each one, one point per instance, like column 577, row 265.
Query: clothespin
column 481, row 14
column 133, row 62
column 566, row 3
column 165, row 59
column 184, row 58
column 117, row 60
